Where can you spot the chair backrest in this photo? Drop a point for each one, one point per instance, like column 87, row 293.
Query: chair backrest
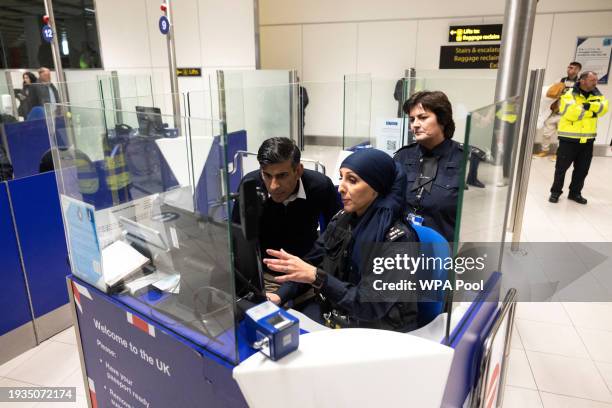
column 37, row 112
column 432, row 244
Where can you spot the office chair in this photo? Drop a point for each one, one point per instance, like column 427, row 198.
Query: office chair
column 432, row 244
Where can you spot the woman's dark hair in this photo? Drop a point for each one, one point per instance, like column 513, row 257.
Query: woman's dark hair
column 438, row 103
column 277, row 150
column 30, row 75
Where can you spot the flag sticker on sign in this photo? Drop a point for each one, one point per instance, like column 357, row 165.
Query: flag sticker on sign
column 141, row 324
column 78, row 291
column 92, row 393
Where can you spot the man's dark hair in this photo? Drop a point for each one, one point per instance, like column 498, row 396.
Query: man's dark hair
column 438, row 103
column 277, row 150
column 576, row 64
column 586, row 74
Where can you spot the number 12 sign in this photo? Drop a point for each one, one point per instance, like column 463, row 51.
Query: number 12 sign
column 47, row 33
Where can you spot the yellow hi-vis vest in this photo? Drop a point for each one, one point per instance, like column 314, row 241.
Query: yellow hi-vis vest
column 507, row 112
column 116, row 170
column 577, row 122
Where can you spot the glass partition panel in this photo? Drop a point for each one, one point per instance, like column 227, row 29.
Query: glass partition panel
column 125, row 92
column 489, row 143
column 481, row 215
column 465, row 94
column 357, row 108
column 324, row 115
column 258, row 102
column 389, row 126
column 146, row 220
column 82, row 75
column 372, row 107
column 6, row 99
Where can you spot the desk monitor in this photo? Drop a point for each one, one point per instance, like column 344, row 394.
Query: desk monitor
column 247, row 265
column 200, row 252
column 148, row 235
column 149, row 120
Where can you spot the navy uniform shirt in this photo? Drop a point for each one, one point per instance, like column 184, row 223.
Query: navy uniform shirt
column 438, row 206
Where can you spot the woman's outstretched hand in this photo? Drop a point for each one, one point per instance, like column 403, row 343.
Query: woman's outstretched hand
column 294, row 268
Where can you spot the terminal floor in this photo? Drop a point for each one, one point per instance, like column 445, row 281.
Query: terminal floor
column 561, row 353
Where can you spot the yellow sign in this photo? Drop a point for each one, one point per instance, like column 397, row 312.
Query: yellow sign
column 189, row 72
column 475, row 33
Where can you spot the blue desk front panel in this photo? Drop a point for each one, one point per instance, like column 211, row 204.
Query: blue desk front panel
column 468, row 339
column 14, row 299
column 43, row 243
column 122, row 346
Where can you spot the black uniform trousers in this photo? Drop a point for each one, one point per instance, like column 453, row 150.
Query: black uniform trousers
column 580, row 154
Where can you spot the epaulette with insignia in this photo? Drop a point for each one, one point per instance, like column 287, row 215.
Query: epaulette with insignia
column 396, row 231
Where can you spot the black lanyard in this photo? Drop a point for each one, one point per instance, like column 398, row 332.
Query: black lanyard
column 427, row 174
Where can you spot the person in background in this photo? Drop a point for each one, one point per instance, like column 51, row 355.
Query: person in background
column 580, row 107
column 44, row 91
column 24, row 94
column 549, row 134
column 398, row 95
column 432, row 162
column 303, row 104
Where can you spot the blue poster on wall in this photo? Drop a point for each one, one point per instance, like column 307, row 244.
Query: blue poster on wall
column 131, row 362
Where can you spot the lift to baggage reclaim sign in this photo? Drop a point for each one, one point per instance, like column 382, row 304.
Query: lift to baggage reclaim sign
column 475, row 33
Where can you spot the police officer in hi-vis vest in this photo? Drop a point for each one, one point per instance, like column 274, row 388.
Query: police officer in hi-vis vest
column 580, row 108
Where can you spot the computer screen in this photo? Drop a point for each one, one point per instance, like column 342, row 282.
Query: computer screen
column 149, row 120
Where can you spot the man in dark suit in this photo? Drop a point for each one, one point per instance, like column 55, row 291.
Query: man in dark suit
column 298, row 202
column 43, row 91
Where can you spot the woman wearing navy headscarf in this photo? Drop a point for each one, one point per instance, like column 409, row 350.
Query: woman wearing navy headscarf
column 372, row 187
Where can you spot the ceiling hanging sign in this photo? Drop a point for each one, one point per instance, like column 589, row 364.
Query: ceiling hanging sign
column 47, row 33
column 475, row 33
column 595, row 54
column 189, row 72
column 164, row 25
column 469, row 57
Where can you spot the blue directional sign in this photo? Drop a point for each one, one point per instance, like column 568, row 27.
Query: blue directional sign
column 47, row 33
column 164, row 25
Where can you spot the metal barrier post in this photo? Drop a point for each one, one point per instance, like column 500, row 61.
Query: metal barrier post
column 55, row 50
column 536, row 81
column 176, row 101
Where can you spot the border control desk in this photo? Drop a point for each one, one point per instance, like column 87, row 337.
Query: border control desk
column 128, row 356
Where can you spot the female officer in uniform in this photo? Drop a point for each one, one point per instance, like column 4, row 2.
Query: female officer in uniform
column 372, row 189
column 432, row 163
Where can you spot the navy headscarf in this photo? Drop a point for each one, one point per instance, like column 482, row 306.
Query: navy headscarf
column 387, row 177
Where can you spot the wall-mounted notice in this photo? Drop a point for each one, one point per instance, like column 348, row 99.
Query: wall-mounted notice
column 389, row 133
column 595, row 53
column 469, row 56
column 475, row 33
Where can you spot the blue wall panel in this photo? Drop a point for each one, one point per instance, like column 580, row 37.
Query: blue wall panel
column 41, row 233
column 27, row 142
column 14, row 307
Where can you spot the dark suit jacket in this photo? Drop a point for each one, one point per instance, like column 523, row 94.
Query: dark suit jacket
column 40, row 94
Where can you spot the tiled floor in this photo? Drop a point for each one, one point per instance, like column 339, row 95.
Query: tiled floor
column 55, row 362
column 561, row 351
